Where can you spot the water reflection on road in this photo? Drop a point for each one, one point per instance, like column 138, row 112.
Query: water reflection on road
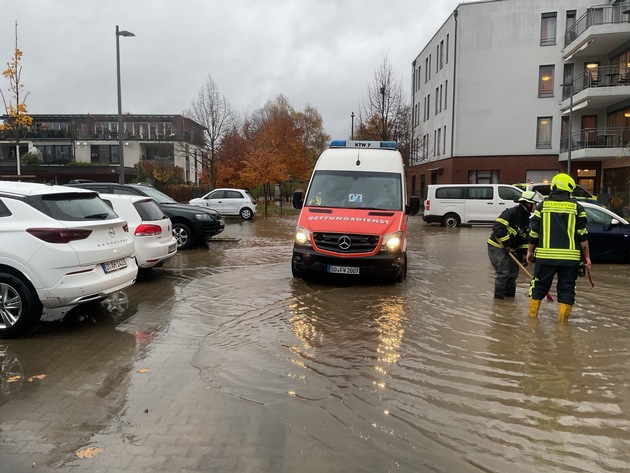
column 429, row 375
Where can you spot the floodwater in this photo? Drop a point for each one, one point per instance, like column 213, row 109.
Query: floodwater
column 222, row 361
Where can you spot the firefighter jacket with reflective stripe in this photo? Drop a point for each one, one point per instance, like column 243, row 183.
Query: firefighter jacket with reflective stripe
column 557, row 228
column 511, row 228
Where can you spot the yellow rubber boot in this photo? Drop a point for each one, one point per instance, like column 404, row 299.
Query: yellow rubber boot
column 564, row 310
column 534, row 305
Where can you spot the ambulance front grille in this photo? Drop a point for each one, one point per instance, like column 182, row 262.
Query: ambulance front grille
column 345, row 242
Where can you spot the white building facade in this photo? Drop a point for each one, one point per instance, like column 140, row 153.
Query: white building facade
column 497, row 88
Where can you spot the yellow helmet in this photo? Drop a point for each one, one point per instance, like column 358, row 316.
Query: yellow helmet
column 563, row 182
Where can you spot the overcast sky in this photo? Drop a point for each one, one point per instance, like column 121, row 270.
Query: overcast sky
column 318, row 52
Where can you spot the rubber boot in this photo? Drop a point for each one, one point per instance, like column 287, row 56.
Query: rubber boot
column 534, row 305
column 499, row 295
column 564, row 310
column 510, row 291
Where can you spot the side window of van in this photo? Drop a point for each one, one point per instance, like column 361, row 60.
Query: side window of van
column 480, row 193
column 509, row 193
column 449, row 193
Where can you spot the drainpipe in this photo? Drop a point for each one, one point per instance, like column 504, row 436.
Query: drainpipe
column 454, row 87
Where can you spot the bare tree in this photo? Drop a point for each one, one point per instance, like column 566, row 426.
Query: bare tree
column 382, row 116
column 17, row 121
column 212, row 110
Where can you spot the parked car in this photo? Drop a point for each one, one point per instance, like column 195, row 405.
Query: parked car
column 148, row 224
column 191, row 225
column 228, row 202
column 59, row 247
column 544, row 188
column 608, row 235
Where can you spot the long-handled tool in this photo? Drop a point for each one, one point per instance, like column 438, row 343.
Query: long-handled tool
column 520, row 265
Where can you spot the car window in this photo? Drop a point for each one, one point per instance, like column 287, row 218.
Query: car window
column 544, row 189
column 509, row 193
column 581, row 192
column 126, row 191
column 597, row 217
column 4, row 210
column 159, row 197
column 75, row 207
column 481, row 193
column 233, row 195
column 449, row 193
column 216, row 195
column 149, row 211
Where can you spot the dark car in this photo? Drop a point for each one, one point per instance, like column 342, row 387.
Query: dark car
column 191, row 225
column 608, row 235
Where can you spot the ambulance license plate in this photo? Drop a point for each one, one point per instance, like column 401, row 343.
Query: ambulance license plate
column 343, row 269
column 110, row 266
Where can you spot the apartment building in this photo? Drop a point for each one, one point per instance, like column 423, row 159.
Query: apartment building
column 87, row 146
column 513, row 91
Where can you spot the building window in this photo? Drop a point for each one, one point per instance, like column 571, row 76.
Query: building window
column 447, row 41
column 441, row 54
column 543, row 132
column 548, row 29
column 437, row 99
column 444, row 138
column 426, row 70
column 439, row 140
column 483, row 177
column 104, row 154
column 445, row 93
column 570, row 29
column 545, row 81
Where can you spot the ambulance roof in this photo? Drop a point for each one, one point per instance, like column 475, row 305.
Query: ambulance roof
column 354, row 155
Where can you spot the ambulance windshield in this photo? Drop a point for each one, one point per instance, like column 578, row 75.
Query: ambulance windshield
column 354, row 189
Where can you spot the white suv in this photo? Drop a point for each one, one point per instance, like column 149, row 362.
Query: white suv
column 152, row 231
column 59, row 247
column 228, row 202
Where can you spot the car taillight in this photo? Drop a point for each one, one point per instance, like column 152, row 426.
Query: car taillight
column 427, row 205
column 58, row 235
column 148, row 230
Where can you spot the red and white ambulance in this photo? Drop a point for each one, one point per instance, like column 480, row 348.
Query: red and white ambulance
column 353, row 218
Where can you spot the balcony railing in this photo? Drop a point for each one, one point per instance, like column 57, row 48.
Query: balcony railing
column 602, row 76
column 596, row 138
column 84, row 135
column 597, row 15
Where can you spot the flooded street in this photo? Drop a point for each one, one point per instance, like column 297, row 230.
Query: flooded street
column 221, row 361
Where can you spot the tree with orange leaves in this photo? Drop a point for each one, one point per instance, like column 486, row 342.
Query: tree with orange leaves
column 17, row 121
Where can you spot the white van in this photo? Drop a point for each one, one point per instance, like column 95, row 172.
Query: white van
column 452, row 205
column 353, row 218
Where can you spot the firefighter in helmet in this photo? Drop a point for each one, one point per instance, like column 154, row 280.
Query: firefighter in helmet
column 558, row 242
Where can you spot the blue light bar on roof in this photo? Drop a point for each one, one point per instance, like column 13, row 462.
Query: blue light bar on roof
column 363, row 144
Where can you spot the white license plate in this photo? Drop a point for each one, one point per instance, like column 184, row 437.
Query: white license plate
column 110, row 266
column 172, row 248
column 343, row 270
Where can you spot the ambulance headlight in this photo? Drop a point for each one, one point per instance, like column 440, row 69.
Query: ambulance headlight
column 302, row 236
column 392, row 242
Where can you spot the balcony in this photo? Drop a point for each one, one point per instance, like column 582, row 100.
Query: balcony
column 598, row 88
column 599, row 31
column 596, row 143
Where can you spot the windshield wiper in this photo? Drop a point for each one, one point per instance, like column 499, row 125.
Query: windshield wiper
column 101, row 216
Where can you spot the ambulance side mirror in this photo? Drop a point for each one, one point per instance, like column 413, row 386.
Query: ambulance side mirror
column 414, row 205
column 298, row 199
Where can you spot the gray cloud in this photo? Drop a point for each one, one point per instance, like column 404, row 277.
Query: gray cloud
column 318, row 52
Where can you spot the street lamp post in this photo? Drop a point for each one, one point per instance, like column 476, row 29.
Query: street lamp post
column 121, row 158
column 570, row 138
column 383, row 110
column 352, row 126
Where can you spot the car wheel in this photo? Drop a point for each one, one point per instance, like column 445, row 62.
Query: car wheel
column 451, row 220
column 246, row 213
column 20, row 309
column 403, row 274
column 183, row 236
column 296, row 273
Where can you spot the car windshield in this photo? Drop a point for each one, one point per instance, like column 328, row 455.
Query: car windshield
column 355, row 189
column 159, row 197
